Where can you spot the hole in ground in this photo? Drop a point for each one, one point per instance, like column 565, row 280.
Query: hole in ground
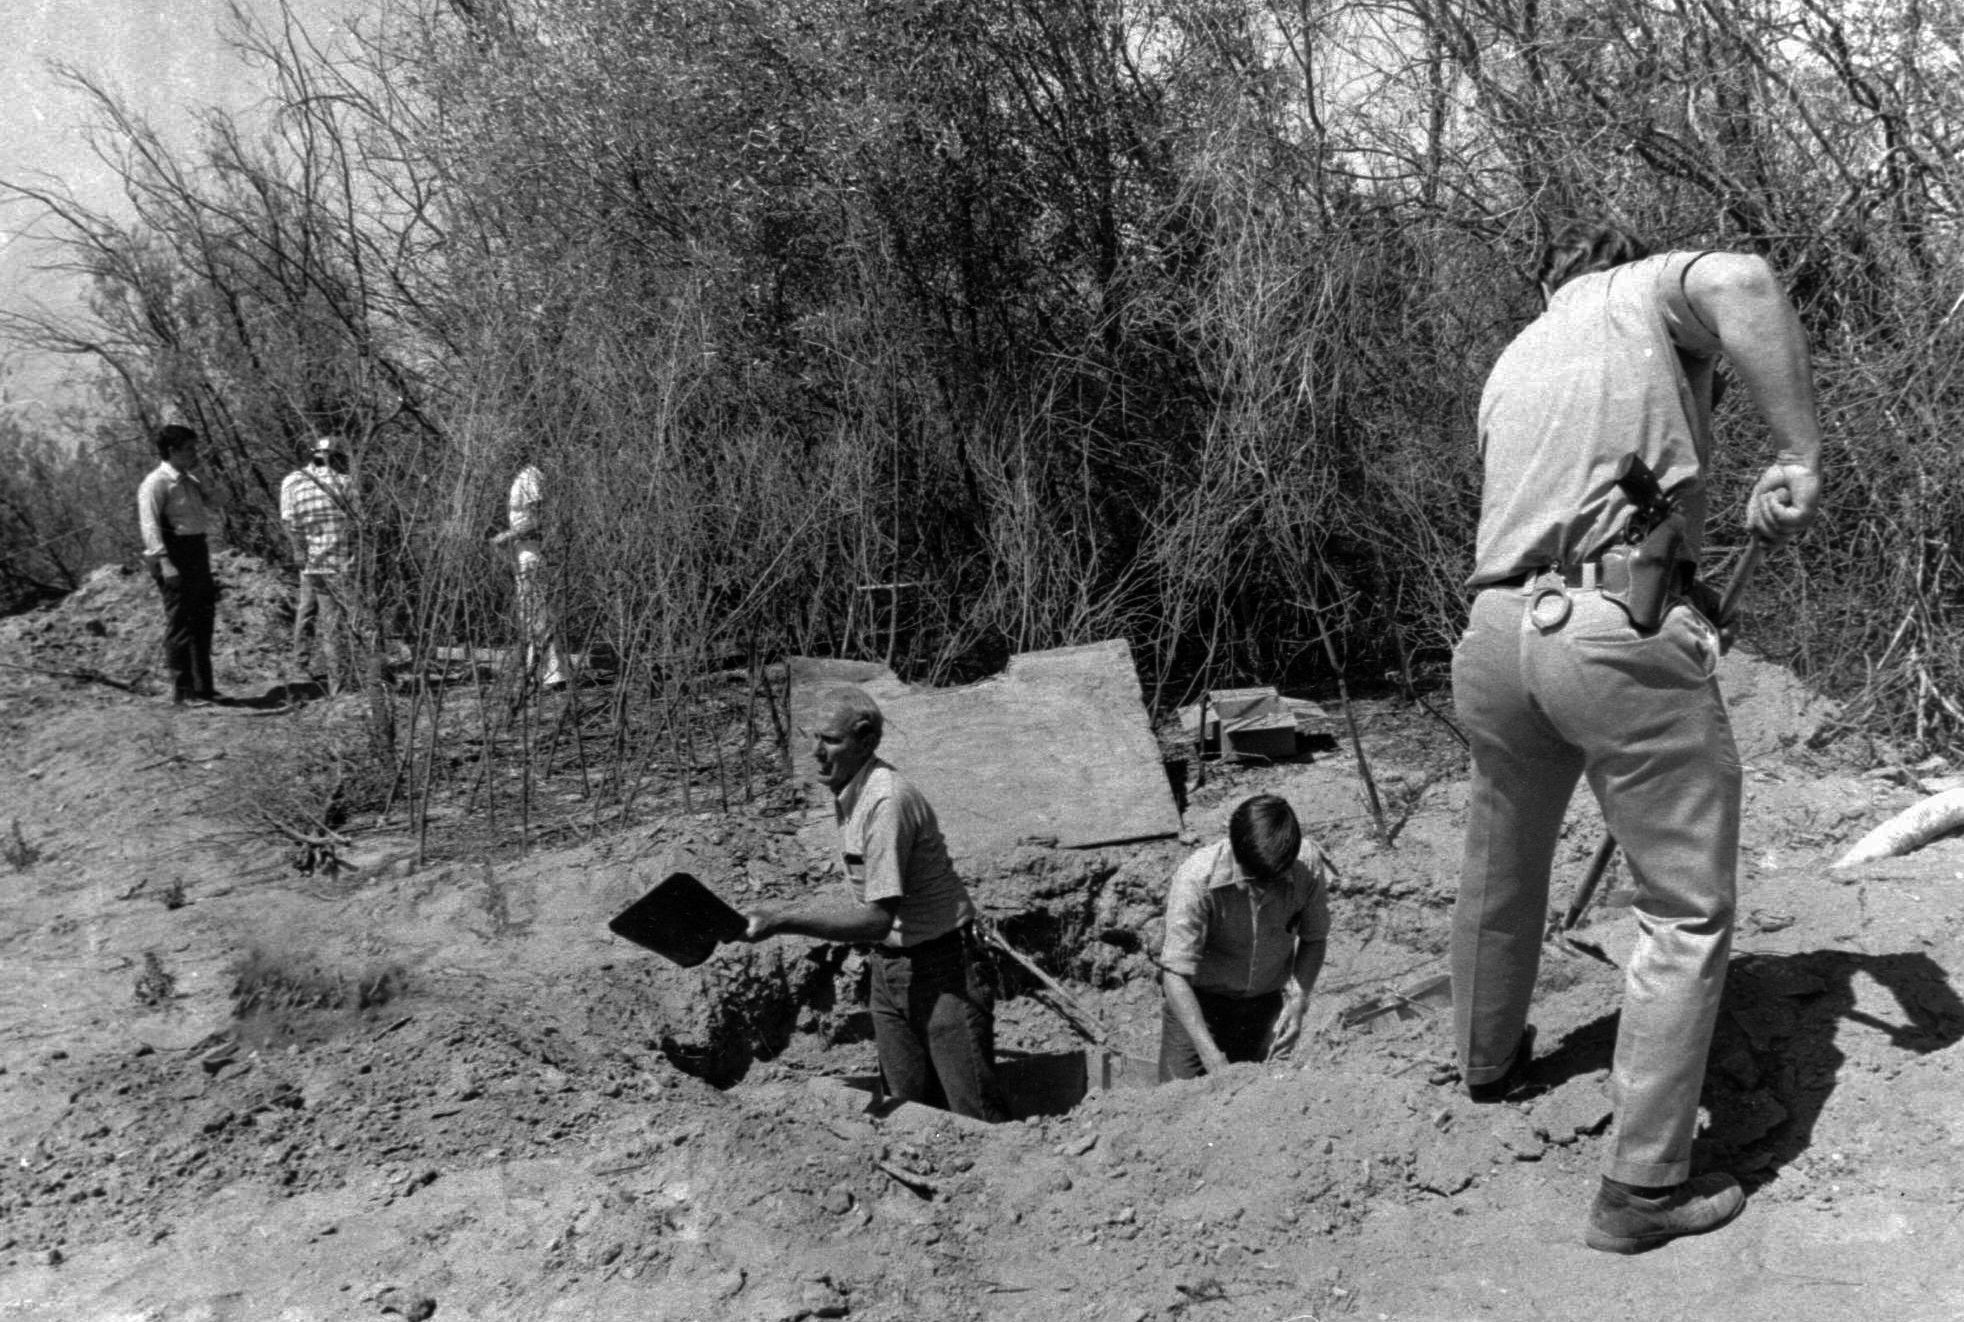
column 759, row 1005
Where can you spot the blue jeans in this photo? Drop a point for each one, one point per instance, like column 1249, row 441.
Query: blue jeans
column 1545, row 704
column 934, row 1026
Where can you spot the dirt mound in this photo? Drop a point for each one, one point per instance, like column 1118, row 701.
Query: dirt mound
column 113, row 625
column 1771, row 709
column 394, row 1090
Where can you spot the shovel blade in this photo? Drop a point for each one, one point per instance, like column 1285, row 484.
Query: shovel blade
column 680, row 919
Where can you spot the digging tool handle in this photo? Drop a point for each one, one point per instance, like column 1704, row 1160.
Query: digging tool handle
column 1593, row 878
column 1735, row 591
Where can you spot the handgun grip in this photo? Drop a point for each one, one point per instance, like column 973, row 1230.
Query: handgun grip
column 1635, row 480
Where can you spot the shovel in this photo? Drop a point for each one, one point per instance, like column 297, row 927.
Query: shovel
column 681, row 920
column 1561, row 931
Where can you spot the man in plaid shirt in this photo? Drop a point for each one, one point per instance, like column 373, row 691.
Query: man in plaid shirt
column 317, row 507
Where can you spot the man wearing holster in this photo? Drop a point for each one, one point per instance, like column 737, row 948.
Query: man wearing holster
column 1587, row 655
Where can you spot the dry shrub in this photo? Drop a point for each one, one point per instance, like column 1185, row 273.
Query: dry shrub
column 155, row 984
column 312, row 771
column 280, row 981
column 17, row 851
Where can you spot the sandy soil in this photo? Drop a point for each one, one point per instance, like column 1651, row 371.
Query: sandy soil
column 233, row 1090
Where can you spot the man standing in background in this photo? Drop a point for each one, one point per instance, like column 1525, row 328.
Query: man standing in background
column 175, row 517
column 526, row 522
column 316, row 508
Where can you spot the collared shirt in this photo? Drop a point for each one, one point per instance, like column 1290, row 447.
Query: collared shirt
column 1227, row 935
column 1618, row 364
column 316, row 505
column 525, row 507
column 893, row 850
column 171, row 502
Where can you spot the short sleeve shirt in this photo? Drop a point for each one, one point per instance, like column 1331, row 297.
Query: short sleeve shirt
column 170, row 503
column 1618, row 364
column 1231, row 937
column 893, row 851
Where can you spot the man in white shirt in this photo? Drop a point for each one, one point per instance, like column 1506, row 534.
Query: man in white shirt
column 175, row 516
column 525, row 511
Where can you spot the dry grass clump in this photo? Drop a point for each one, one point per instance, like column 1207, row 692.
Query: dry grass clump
column 284, row 981
column 17, row 851
column 155, row 984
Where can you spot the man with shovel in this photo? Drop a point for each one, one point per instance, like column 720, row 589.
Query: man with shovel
column 933, row 1017
column 1586, row 655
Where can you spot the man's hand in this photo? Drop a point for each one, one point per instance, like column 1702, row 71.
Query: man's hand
column 1288, row 1026
column 761, row 923
column 167, row 571
column 1785, row 502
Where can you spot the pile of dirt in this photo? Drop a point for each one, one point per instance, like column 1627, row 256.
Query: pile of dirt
column 395, row 1091
column 113, row 626
column 1772, row 711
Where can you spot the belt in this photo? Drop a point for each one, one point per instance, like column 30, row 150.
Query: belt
column 1582, row 577
column 1611, row 575
column 955, row 937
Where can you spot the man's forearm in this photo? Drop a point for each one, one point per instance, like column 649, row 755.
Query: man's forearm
column 1185, row 1005
column 1308, row 966
column 844, row 920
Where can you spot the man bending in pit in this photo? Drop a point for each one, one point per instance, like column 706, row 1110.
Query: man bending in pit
column 1247, row 922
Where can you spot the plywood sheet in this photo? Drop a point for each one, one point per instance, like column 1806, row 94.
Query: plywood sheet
column 1057, row 748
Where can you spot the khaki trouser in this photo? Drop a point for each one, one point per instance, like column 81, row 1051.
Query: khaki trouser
column 537, row 618
column 320, row 617
column 1543, row 705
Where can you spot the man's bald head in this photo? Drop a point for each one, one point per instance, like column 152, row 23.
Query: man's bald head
column 855, row 706
column 847, row 729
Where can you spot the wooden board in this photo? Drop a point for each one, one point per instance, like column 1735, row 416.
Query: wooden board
column 1058, row 748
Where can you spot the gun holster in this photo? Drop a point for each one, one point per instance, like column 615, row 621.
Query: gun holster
column 1645, row 577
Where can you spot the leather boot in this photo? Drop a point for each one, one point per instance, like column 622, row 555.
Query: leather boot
column 1622, row 1221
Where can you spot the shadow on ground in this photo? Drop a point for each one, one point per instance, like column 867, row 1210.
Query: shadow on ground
column 1775, row 1056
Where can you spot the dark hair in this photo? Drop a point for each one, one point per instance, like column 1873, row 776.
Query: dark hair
column 1583, row 247
column 170, row 436
column 1264, row 835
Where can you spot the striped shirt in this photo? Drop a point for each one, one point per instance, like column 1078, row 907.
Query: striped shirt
column 170, row 502
column 1234, row 938
column 316, row 506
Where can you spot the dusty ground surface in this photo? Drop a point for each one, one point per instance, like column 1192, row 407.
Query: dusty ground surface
column 232, row 1090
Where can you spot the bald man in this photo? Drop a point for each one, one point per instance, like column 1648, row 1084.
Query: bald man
column 933, row 1020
